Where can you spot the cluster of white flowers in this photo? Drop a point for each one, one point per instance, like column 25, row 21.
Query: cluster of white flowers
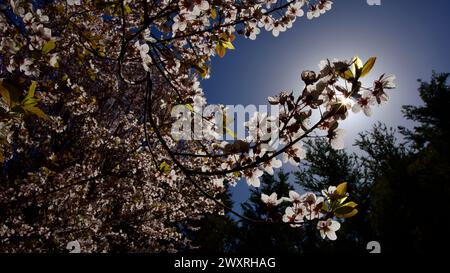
column 310, row 208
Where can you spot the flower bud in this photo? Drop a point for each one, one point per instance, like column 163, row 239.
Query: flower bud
column 309, row 77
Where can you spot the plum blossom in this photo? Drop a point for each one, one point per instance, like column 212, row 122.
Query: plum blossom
column 325, row 5
column 54, row 60
column 312, row 205
column 266, row 22
column 9, row 45
column 28, row 68
column 272, row 200
column 42, row 35
column 294, row 154
column 143, row 52
column 251, row 31
column 291, row 216
column 261, row 126
column 41, row 17
column 269, row 165
column 313, row 12
column 322, row 7
column 294, row 197
column 330, row 191
column 28, row 20
column 384, row 82
column 181, row 21
column 196, row 7
column 309, row 198
column 314, row 210
column 278, row 27
column 252, row 177
column 218, row 183
column 328, row 229
column 301, row 209
column 364, row 103
column 296, row 9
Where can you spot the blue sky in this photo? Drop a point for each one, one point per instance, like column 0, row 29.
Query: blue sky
column 409, row 38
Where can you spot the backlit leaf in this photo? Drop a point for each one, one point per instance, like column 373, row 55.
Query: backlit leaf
column 127, row 9
column 345, row 212
column 164, row 167
column 341, row 189
column 10, row 93
column 220, row 50
column 228, row 44
column 348, row 75
column 368, row 66
column 30, row 101
column 213, row 13
column 31, row 90
column 49, row 46
column 350, row 204
column 5, row 94
column 35, row 110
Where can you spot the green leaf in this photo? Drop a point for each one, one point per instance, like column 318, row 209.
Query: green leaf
column 345, row 212
column 31, row 90
column 223, row 42
column 5, row 94
column 221, row 50
column 201, row 69
column 368, row 66
column 341, row 189
column 9, row 93
column 30, row 101
column 35, row 110
column 342, row 200
column 350, row 204
column 164, row 167
column 49, row 46
column 213, row 13
column 127, row 9
column 348, row 75
column 228, row 44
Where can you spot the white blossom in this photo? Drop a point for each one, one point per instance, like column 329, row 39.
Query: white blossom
column 328, row 229
column 271, row 200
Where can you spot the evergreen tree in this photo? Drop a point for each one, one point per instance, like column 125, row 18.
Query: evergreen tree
column 215, row 233
column 325, row 166
column 265, row 238
column 412, row 187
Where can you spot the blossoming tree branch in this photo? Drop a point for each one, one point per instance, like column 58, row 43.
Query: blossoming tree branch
column 89, row 94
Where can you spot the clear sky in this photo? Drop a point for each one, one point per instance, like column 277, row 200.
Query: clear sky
column 410, row 38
